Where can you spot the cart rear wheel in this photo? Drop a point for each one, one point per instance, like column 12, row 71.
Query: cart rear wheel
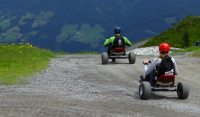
column 131, row 57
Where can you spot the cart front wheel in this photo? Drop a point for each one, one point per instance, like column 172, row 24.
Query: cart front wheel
column 104, row 58
column 145, row 90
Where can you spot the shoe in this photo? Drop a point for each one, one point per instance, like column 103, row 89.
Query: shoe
column 141, row 79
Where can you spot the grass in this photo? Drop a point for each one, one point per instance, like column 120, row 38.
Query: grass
column 196, row 51
column 21, row 60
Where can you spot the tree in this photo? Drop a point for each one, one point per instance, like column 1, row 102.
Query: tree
column 186, row 39
column 177, row 20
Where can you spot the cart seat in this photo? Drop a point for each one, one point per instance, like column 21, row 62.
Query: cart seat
column 118, row 51
column 165, row 81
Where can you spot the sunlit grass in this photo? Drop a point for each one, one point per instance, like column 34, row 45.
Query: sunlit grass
column 21, row 60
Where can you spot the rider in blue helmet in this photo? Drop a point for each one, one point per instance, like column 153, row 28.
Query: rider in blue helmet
column 117, row 30
column 197, row 44
column 109, row 42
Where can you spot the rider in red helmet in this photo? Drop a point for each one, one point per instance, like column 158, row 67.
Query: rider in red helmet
column 151, row 70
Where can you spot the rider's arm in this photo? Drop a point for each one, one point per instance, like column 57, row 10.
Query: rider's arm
column 107, row 42
column 127, row 41
column 175, row 66
column 151, row 67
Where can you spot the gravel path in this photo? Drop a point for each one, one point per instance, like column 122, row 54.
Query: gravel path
column 79, row 85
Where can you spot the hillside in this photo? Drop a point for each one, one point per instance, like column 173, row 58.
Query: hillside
column 174, row 35
column 75, row 26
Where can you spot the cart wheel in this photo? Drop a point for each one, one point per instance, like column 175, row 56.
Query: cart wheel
column 113, row 60
column 145, row 90
column 131, row 57
column 183, row 90
column 104, row 58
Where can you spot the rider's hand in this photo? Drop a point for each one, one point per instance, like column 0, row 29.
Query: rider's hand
column 146, row 62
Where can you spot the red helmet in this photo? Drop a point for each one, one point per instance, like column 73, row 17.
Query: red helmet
column 164, row 47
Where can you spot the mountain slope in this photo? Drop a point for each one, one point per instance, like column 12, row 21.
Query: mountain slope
column 74, row 26
column 174, row 36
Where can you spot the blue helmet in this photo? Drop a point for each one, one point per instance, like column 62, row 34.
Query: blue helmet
column 117, row 30
column 197, row 42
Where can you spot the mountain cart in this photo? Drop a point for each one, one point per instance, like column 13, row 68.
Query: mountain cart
column 118, row 53
column 164, row 83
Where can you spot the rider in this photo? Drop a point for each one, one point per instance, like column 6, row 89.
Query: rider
column 109, row 42
column 197, row 44
column 150, row 70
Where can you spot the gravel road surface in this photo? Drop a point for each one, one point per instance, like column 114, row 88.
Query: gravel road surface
column 80, row 86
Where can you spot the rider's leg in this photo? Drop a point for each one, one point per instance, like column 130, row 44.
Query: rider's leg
column 109, row 49
column 150, row 78
column 147, row 78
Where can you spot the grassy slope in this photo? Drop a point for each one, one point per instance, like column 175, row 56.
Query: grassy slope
column 173, row 36
column 21, row 60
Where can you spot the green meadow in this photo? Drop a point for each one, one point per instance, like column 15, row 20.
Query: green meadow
column 21, row 60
